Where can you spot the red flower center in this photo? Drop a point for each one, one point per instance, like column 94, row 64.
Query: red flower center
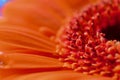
column 90, row 42
column 112, row 32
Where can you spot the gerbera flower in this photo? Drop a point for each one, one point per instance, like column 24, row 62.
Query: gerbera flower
column 60, row 40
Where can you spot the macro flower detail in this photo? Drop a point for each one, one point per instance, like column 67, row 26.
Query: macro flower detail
column 90, row 42
column 38, row 43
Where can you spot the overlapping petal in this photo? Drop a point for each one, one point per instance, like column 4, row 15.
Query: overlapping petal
column 56, row 75
column 16, row 38
column 15, row 64
column 9, row 61
column 35, row 12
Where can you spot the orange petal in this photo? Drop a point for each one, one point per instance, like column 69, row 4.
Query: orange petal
column 22, row 61
column 79, row 4
column 5, row 73
column 15, row 38
column 34, row 13
column 50, row 13
column 56, row 75
column 37, row 13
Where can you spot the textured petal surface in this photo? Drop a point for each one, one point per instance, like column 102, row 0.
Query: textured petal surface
column 17, row 39
column 35, row 12
column 56, row 75
column 32, row 12
column 9, row 61
column 78, row 4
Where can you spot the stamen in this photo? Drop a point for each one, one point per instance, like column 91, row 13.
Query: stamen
column 90, row 42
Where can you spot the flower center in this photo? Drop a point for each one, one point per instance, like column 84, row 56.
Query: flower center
column 112, row 32
column 89, row 43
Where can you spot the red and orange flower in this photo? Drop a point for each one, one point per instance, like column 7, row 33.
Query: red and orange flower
column 60, row 40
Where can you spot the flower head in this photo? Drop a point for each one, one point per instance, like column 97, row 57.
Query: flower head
column 37, row 42
column 90, row 42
